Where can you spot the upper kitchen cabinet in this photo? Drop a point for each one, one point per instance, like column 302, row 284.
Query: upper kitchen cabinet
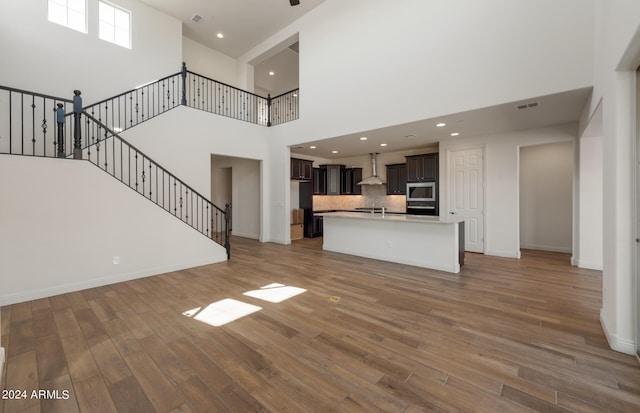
column 319, row 181
column 334, row 178
column 397, row 179
column 422, row 168
column 350, row 179
column 301, row 169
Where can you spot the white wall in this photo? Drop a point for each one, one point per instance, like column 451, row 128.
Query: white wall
column 432, row 58
column 183, row 139
column 546, row 197
column 501, row 181
column 48, row 58
column 63, row 221
column 208, row 62
column 618, row 54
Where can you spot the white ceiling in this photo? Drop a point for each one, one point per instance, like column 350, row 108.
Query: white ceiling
column 244, row 23
column 559, row 108
column 247, row 23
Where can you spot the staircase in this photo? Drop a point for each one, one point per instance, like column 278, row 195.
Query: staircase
column 38, row 125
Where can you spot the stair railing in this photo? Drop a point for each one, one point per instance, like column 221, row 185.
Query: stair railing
column 108, row 151
column 138, row 105
column 33, row 124
column 29, row 124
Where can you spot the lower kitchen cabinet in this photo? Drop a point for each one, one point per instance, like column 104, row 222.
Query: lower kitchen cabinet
column 317, row 226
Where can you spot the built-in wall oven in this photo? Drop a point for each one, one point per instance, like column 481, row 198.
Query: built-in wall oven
column 422, row 198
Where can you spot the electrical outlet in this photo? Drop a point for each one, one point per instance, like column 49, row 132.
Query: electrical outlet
column 116, row 260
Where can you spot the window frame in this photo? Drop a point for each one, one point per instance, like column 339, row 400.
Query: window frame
column 113, row 27
column 67, row 9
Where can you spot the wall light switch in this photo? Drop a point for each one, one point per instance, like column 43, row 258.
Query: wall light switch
column 116, row 260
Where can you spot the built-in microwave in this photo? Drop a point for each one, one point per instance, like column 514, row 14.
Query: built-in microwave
column 421, row 191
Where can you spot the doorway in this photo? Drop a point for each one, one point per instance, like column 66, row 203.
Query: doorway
column 237, row 181
column 225, row 183
column 546, row 197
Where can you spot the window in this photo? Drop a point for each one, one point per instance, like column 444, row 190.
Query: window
column 115, row 25
column 69, row 13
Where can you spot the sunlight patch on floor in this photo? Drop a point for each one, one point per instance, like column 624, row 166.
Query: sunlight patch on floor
column 222, row 312
column 275, row 292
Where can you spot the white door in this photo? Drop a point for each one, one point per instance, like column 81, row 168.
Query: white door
column 466, row 194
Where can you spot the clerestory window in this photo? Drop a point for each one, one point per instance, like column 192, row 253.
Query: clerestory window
column 114, row 24
column 69, row 13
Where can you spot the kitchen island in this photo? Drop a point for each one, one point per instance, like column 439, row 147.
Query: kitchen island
column 424, row 241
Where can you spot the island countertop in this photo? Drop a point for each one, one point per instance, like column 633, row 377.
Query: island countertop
column 421, row 240
column 427, row 219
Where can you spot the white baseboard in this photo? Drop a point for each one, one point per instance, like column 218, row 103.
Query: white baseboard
column 550, row 248
column 590, row 265
column 245, row 235
column 616, row 343
column 1, row 365
column 505, row 254
column 23, row 296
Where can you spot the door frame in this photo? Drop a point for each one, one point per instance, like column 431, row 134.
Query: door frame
column 446, row 188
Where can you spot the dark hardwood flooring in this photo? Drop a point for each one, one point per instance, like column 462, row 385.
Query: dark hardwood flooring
column 504, row 335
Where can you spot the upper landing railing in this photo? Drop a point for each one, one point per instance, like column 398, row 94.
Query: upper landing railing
column 190, row 89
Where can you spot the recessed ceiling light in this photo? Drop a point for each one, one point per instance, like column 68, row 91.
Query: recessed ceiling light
column 364, row 138
column 271, row 73
column 334, row 151
column 312, row 147
column 220, row 35
column 455, row 134
column 441, row 124
column 383, row 144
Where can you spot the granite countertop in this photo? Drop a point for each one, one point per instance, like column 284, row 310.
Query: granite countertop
column 425, row 219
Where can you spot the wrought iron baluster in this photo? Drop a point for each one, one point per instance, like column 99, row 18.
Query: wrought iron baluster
column 22, row 122
column 175, row 202
column 33, row 125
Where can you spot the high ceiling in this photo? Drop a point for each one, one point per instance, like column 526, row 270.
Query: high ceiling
column 244, row 23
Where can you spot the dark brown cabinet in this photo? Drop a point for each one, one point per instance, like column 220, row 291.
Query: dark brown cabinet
column 319, row 181
column 301, row 169
column 422, row 168
column 350, row 179
column 397, row 179
column 334, row 179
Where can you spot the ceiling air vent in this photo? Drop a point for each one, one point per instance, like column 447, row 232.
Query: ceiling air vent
column 527, row 105
column 295, row 47
column 196, row 18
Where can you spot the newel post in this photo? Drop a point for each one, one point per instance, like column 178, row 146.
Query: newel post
column 269, row 109
column 227, row 229
column 77, row 129
column 184, row 84
column 60, row 122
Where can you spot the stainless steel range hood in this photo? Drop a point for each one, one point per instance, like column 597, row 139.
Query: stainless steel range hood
column 374, row 179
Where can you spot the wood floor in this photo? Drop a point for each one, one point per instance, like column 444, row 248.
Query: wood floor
column 504, row 335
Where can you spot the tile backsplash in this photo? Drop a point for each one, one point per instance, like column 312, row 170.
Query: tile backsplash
column 371, row 195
